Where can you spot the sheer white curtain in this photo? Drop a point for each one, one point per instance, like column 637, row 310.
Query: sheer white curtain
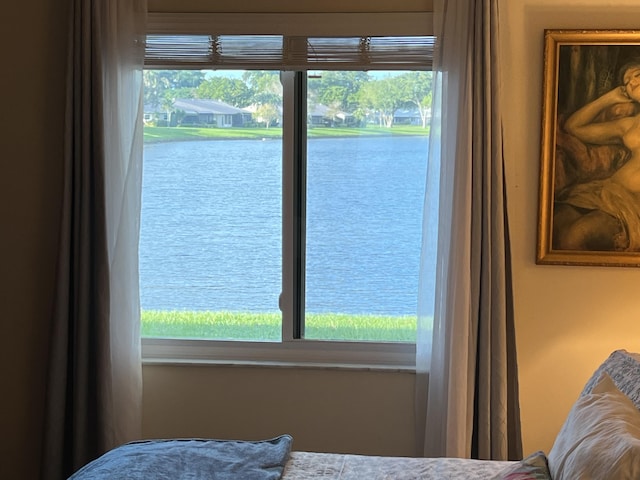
column 467, row 395
column 123, row 102
column 94, row 383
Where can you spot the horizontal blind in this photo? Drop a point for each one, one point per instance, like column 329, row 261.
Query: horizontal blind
column 189, row 44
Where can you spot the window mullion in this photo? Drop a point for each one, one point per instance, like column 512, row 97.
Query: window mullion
column 300, row 197
column 294, row 183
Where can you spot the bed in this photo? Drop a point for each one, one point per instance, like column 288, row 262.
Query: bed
column 332, row 466
column 600, row 440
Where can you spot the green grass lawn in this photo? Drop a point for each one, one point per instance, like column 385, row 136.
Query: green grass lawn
column 266, row 326
column 170, row 134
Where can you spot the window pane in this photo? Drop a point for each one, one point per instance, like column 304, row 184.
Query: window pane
column 366, row 171
column 210, row 242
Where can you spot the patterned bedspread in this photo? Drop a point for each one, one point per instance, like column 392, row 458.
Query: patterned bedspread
column 332, row 466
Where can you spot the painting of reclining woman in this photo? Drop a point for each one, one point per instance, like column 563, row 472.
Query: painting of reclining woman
column 595, row 217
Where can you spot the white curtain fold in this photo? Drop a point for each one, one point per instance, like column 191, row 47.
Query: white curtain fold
column 123, row 134
column 94, row 382
column 466, row 392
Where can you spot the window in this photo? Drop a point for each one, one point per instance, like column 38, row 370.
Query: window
column 297, row 238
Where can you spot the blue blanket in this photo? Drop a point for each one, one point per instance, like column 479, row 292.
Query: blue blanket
column 192, row 459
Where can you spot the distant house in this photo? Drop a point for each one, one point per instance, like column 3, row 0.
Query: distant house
column 402, row 116
column 407, row 117
column 154, row 114
column 321, row 115
column 199, row 111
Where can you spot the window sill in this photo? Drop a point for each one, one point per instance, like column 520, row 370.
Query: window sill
column 296, row 353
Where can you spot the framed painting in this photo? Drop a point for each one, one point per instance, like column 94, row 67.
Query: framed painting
column 589, row 211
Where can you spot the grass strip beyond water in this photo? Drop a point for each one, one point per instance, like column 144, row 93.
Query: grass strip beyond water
column 251, row 326
column 173, row 134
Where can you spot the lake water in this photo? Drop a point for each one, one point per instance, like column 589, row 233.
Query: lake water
column 211, row 225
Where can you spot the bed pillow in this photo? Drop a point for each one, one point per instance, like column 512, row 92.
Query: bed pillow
column 600, row 439
column 534, row 467
column 624, row 369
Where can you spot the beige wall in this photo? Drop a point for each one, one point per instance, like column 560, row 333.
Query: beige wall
column 260, row 6
column 568, row 318
column 324, row 410
column 32, row 82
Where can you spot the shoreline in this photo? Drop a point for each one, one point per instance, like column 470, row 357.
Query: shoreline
column 321, row 135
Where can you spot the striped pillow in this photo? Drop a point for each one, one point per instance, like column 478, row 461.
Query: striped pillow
column 624, row 369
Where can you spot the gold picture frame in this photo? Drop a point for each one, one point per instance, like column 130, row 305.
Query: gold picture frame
column 589, row 197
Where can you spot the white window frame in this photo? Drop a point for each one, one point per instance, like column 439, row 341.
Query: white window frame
column 290, row 351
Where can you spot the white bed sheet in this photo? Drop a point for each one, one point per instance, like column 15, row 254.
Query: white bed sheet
column 333, row 466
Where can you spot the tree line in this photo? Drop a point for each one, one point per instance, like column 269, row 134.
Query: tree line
column 360, row 95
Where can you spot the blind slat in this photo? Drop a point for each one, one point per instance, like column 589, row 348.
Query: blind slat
column 288, row 52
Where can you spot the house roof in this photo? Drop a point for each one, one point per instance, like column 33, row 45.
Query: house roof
column 201, row 105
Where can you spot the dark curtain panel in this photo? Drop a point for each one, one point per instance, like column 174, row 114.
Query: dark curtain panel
column 467, row 382
column 83, row 404
column 496, row 420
